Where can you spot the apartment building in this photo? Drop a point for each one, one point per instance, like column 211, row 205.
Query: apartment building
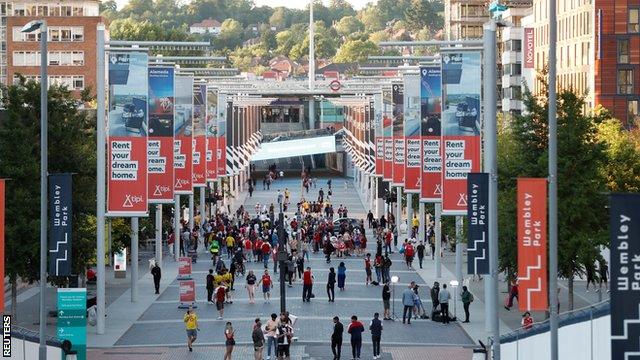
column 598, row 52
column 463, row 19
column 71, row 38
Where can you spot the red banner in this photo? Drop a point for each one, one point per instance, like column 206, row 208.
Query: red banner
column 529, row 48
column 184, row 267
column 187, row 292
column 183, row 144
column 387, row 134
column 532, row 244
column 2, row 184
column 398, row 134
column 160, row 141
column 461, row 156
column 127, row 140
column 199, row 178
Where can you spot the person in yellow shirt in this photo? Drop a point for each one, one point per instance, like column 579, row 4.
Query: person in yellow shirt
column 227, row 278
column 415, row 222
column 230, row 242
column 191, row 325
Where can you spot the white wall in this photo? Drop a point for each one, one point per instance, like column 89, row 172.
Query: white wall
column 26, row 350
column 588, row 340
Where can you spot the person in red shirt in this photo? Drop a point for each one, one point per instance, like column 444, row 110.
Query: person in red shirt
column 355, row 329
column 258, row 249
column 409, row 253
column 527, row 321
column 248, row 247
column 307, row 285
column 266, row 286
column 266, row 253
column 367, row 268
column 220, row 296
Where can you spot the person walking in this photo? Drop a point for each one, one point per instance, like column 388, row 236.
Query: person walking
column 221, row 293
column 157, row 275
column 210, row 286
column 307, row 285
column 272, row 341
column 342, row 275
column 376, row 334
column 191, row 324
column 336, row 338
column 266, row 286
column 251, row 286
column 513, row 294
column 407, row 301
column 443, row 298
column 420, row 250
column 367, row 269
column 258, row 340
column 229, row 342
column 467, row 299
column 331, row 283
column 386, row 297
column 355, row 329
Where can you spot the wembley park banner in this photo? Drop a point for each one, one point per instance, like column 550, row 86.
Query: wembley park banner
column 183, row 143
column 212, row 133
column 461, row 87
column 160, row 142
column 398, row 134
column 387, row 134
column 127, row 134
column 413, row 148
column 199, row 177
column 430, row 112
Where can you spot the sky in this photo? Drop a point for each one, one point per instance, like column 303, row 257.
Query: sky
column 357, row 4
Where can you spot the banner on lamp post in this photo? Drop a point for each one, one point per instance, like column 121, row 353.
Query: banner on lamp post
column 430, row 128
column 478, row 224
column 183, row 128
column 398, row 134
column 221, row 146
column 160, row 142
column 212, row 134
column 461, row 85
column 199, row 177
column 127, row 134
column 625, row 295
column 60, row 224
column 532, row 244
column 387, row 134
column 413, row 146
column 378, row 134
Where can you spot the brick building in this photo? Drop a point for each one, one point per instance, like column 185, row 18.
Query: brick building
column 71, row 42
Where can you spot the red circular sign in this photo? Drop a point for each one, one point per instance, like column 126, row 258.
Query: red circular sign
column 334, row 85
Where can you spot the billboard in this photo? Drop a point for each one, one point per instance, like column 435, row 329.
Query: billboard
column 127, row 134
column 199, row 177
column 625, row 246
column 183, row 129
column 160, row 143
column 387, row 134
column 478, row 224
column 430, row 126
column 378, row 137
column 398, row 133
column 60, row 224
column 212, row 133
column 413, row 148
column 186, row 293
column 221, row 146
column 370, row 136
column 529, row 48
column 532, row 244
column 461, row 86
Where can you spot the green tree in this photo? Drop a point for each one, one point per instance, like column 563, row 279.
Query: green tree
column 268, row 40
column 356, row 51
column 340, row 9
column 372, row 18
column 348, row 26
column 423, row 14
column 231, row 32
column 622, row 170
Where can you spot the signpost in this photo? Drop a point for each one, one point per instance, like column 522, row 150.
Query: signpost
column 72, row 319
column 187, row 294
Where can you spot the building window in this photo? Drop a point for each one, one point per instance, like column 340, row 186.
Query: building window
column 625, row 81
column 513, row 45
column 56, row 34
column 513, row 69
column 633, row 114
column 634, row 20
column 623, row 51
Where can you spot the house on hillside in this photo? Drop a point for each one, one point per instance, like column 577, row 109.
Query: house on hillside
column 207, row 26
column 283, row 66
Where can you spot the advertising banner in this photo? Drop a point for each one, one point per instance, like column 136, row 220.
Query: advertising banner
column 387, row 134
column 232, row 129
column 370, row 136
column 221, row 146
column 460, row 127
column 430, row 112
column 60, row 224
column 187, row 293
column 413, row 146
column 120, row 260
column 72, row 319
column 199, row 135
column 478, row 224
column 127, row 139
column 183, row 128
column 532, row 244
column 378, row 134
column 398, row 134
column 184, row 268
column 212, row 134
column 625, row 275
column 529, row 48
column 160, row 143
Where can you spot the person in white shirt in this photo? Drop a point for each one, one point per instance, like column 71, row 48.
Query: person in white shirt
column 443, row 297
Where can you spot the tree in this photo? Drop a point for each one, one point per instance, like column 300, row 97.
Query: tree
column 371, row 17
column 423, row 14
column 230, row 34
column 349, row 25
column 356, row 51
column 268, row 40
column 340, row 9
column 622, row 170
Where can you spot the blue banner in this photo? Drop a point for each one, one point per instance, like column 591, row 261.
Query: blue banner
column 477, row 217
column 625, row 272
column 72, row 319
column 60, row 224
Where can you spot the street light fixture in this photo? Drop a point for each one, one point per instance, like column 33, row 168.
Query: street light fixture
column 32, row 26
column 394, row 280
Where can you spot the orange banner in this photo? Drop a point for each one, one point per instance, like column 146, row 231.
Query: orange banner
column 532, row 244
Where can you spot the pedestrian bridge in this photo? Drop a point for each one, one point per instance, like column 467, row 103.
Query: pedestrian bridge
column 299, row 143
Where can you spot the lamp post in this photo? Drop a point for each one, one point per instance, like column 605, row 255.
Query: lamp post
column 28, row 28
column 281, row 257
column 394, row 280
column 454, row 284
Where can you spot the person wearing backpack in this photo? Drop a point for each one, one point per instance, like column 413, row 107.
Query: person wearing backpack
column 467, row 299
